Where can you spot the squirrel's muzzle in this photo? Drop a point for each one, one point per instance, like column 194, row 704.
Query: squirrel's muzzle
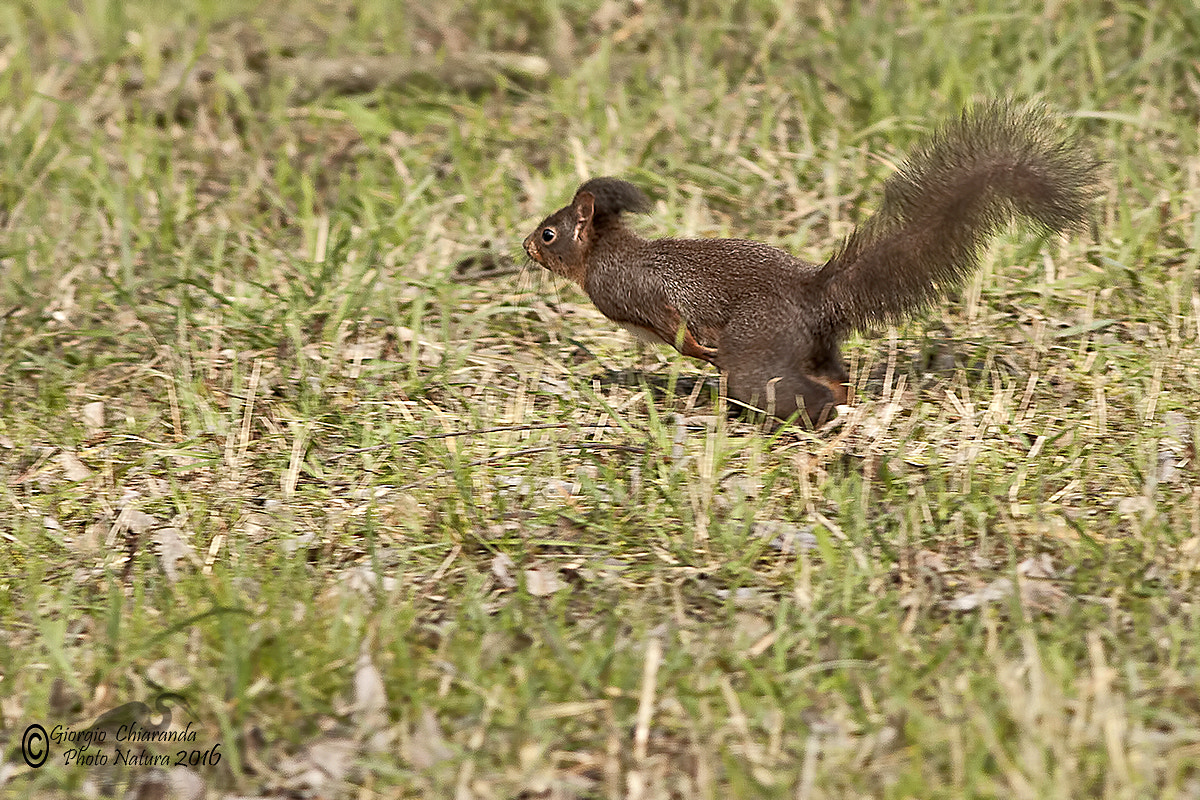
column 531, row 249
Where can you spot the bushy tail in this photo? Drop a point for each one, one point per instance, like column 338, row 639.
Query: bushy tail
column 968, row 181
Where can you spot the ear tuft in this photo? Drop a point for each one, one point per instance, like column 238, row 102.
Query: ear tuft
column 613, row 196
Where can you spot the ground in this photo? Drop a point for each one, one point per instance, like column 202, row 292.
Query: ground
column 291, row 430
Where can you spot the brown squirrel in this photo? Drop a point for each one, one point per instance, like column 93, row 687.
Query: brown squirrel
column 772, row 322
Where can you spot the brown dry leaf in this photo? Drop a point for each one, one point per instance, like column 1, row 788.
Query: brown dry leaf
column 785, row 537
column 996, row 590
column 64, row 701
column 752, row 631
column 744, row 597
column 607, row 569
column 1041, row 594
column 1037, row 567
column 932, row 560
column 370, row 695
column 187, row 783
column 169, row 674
column 72, row 467
column 363, row 580
column 92, row 417
column 366, row 350
column 876, row 424
column 540, row 582
column 132, row 519
column 502, row 566
column 1035, row 582
column 1130, row 506
column 1189, row 551
column 176, row 783
column 1175, row 447
column 608, row 16
column 541, row 777
column 172, row 548
column 425, row 746
column 559, row 489
column 981, row 562
column 428, row 353
column 321, row 769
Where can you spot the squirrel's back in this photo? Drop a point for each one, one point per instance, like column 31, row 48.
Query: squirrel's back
column 963, row 185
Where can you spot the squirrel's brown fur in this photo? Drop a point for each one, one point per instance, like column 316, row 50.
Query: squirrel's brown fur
column 773, row 322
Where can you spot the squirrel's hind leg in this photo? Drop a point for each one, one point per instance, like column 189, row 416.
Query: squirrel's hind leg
column 783, row 395
column 773, row 367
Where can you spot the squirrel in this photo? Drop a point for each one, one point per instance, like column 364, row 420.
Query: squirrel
column 773, row 323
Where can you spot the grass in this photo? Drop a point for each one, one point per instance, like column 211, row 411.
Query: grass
column 392, row 530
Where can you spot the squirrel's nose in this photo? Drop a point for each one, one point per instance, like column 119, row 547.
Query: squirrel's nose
column 530, row 249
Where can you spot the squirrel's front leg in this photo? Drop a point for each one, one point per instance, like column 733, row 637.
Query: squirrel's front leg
column 685, row 341
column 690, row 347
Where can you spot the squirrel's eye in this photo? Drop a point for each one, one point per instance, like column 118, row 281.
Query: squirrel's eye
column 548, row 235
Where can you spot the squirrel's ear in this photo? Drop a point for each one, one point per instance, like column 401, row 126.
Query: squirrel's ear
column 585, row 206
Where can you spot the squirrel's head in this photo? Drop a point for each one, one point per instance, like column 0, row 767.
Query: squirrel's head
column 562, row 241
